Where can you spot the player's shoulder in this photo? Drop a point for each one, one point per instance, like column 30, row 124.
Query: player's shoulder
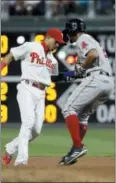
column 84, row 36
column 36, row 44
column 84, row 40
column 29, row 44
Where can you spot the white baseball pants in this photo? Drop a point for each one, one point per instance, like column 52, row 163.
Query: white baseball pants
column 31, row 102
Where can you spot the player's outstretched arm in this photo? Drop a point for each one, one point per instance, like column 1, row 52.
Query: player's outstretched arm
column 16, row 53
column 6, row 60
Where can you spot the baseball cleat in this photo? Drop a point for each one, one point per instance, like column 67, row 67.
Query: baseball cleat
column 62, row 161
column 6, row 159
column 72, row 157
column 17, row 164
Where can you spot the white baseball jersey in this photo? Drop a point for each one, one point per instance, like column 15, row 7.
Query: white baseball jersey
column 84, row 44
column 35, row 65
column 38, row 66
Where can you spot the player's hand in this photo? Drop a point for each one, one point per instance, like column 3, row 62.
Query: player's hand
column 80, row 71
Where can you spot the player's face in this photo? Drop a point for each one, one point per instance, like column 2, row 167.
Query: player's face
column 52, row 44
column 73, row 38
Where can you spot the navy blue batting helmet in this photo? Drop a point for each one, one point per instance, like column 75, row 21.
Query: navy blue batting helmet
column 75, row 25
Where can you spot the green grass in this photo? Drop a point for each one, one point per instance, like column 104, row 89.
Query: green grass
column 56, row 142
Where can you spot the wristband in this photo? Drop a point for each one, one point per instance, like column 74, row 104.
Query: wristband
column 2, row 65
column 69, row 73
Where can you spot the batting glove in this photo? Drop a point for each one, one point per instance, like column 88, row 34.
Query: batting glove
column 80, row 71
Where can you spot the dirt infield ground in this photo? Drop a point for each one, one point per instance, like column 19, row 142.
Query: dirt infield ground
column 47, row 169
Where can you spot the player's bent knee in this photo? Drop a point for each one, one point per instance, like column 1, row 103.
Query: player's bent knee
column 37, row 131
column 35, row 134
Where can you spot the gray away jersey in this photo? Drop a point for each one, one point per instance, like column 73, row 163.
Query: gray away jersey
column 84, row 44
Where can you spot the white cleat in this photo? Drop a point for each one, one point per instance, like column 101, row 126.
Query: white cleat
column 20, row 164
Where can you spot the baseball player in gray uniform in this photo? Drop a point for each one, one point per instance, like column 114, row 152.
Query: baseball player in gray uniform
column 95, row 88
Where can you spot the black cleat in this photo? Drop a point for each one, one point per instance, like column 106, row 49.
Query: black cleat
column 63, row 159
column 72, row 157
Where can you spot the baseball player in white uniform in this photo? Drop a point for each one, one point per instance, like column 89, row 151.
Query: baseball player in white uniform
column 95, row 88
column 37, row 66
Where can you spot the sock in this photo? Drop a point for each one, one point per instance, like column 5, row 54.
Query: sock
column 83, row 130
column 73, row 126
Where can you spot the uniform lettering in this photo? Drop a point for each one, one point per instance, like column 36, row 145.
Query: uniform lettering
column 49, row 63
column 35, row 58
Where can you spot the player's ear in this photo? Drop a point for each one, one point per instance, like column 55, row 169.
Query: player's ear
column 48, row 37
column 66, row 36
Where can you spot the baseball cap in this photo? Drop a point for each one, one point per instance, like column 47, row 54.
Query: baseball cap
column 56, row 34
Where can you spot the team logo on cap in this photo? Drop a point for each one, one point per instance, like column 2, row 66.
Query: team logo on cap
column 74, row 26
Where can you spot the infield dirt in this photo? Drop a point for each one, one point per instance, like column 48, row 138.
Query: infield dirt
column 47, row 169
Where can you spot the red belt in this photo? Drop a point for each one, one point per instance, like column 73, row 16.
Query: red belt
column 34, row 84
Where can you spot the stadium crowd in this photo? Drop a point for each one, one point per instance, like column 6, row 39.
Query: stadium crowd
column 50, row 8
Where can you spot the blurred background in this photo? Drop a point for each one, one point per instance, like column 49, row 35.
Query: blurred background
column 24, row 20
column 57, row 8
